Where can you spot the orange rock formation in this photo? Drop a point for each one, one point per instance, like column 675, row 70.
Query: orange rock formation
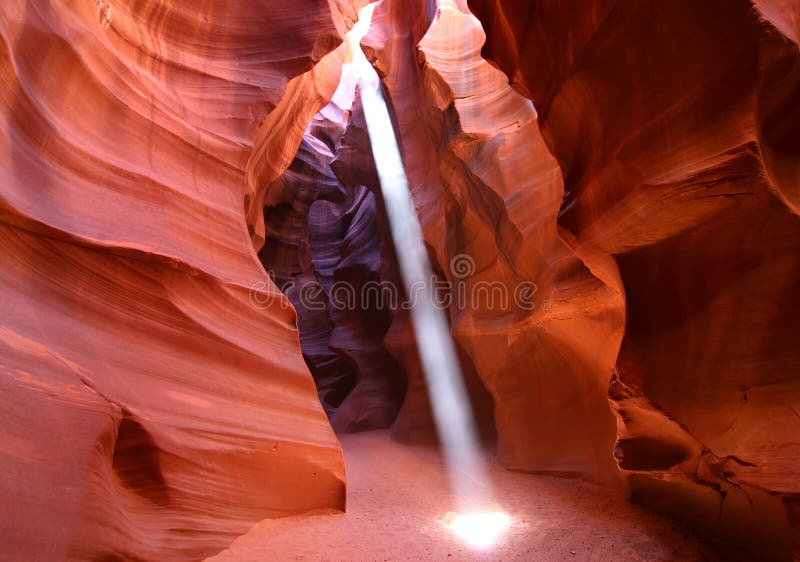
column 627, row 168
column 149, row 409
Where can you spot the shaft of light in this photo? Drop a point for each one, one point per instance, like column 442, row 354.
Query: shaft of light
column 448, row 395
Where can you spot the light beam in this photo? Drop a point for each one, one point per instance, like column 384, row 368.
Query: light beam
column 477, row 524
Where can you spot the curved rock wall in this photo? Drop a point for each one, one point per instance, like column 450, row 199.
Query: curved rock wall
column 642, row 226
column 488, row 192
column 149, row 409
column 675, row 126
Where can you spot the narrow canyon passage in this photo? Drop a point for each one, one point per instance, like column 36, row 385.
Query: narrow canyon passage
column 218, row 218
column 489, row 193
column 328, row 236
column 329, row 252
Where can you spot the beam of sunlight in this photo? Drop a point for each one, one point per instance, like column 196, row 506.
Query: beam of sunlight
column 477, row 523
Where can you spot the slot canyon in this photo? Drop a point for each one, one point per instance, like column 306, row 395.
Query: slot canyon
column 214, row 220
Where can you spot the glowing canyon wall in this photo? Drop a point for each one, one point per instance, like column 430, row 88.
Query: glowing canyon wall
column 149, row 410
column 676, row 126
column 633, row 166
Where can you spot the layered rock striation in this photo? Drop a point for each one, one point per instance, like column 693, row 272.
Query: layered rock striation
column 675, row 127
column 525, row 304
column 155, row 403
column 609, row 194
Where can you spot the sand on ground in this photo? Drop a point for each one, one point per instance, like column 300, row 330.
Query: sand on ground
column 398, row 501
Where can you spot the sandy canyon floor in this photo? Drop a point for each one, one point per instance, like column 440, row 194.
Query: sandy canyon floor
column 398, row 500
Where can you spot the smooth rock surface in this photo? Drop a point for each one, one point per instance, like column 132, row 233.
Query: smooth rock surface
column 539, row 321
column 676, row 127
column 609, row 190
column 155, row 403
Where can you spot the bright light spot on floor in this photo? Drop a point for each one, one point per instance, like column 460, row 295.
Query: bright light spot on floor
column 481, row 528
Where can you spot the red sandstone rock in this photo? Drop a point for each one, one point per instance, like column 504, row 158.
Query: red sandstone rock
column 149, row 409
column 488, row 192
column 676, row 127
